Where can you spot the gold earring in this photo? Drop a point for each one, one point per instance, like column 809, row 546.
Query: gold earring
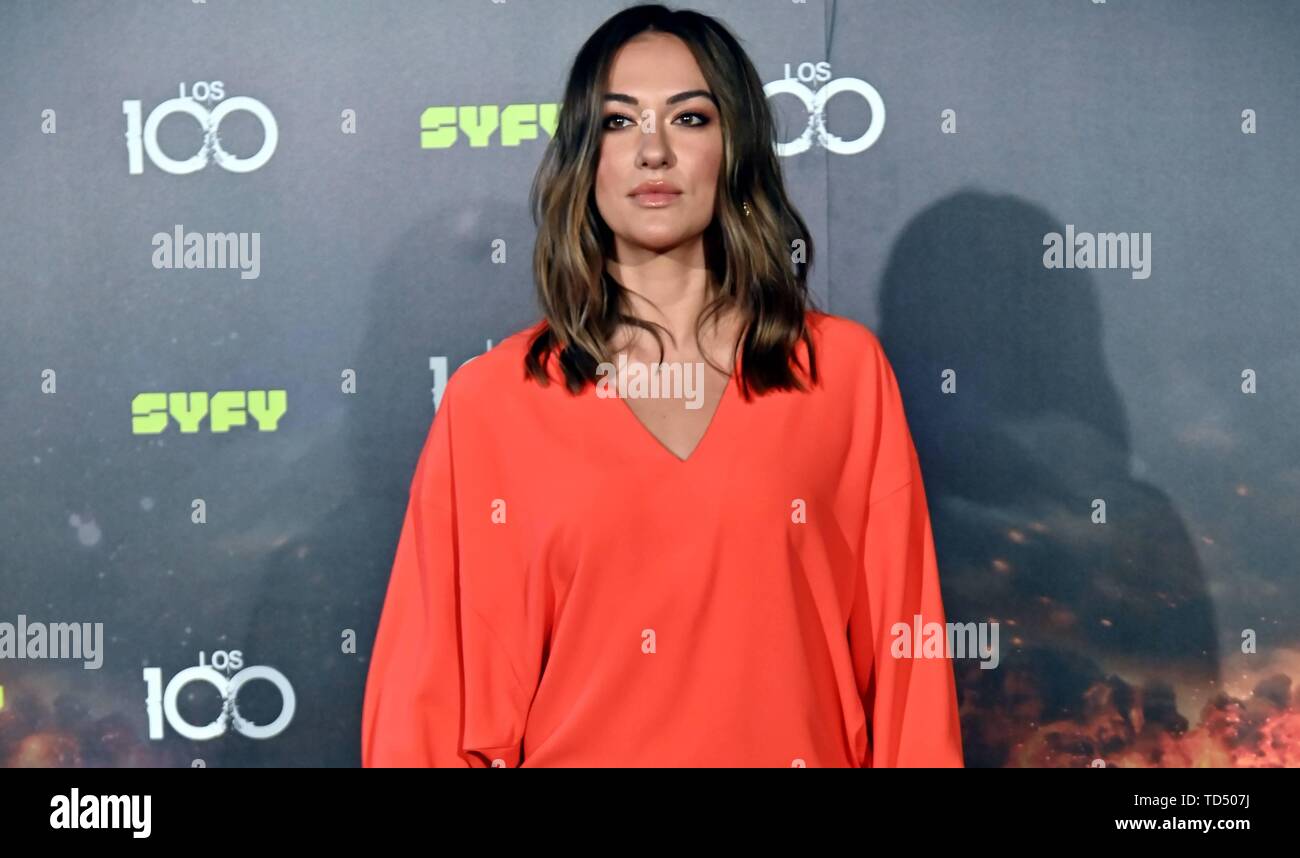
column 748, row 210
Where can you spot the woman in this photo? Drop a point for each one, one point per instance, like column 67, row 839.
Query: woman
column 587, row 579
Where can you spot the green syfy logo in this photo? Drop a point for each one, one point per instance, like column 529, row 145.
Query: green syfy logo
column 441, row 127
column 150, row 412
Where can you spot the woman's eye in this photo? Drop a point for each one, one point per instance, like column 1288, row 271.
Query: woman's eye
column 700, row 118
column 613, row 118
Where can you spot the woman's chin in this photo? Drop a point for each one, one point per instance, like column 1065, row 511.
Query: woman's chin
column 660, row 241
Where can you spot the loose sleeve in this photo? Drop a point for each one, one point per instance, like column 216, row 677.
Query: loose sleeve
column 909, row 697
column 443, row 688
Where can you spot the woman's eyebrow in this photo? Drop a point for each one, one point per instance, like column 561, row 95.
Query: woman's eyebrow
column 673, row 99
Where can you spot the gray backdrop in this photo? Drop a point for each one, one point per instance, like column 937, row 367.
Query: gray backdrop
column 1003, row 122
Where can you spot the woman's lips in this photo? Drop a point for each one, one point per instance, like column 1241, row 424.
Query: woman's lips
column 654, row 200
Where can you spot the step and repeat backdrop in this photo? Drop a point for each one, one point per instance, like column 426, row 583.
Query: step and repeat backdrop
column 244, row 244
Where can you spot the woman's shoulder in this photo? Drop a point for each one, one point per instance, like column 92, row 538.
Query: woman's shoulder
column 842, row 342
column 498, row 368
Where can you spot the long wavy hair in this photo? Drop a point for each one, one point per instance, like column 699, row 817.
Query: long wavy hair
column 758, row 263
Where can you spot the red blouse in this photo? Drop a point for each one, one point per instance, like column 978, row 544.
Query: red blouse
column 568, row 592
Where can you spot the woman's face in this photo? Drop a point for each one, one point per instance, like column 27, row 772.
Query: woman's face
column 659, row 123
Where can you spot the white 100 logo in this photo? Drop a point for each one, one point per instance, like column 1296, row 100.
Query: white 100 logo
column 815, row 102
column 162, row 703
column 146, row 138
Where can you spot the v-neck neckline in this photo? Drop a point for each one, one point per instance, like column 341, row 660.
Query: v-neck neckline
column 709, row 430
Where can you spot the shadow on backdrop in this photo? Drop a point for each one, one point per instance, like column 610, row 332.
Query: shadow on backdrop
column 1013, row 461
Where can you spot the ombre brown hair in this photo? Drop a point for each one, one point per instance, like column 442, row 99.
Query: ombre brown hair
column 750, row 259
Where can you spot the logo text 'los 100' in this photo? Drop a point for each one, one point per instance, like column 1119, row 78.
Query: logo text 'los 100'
column 142, row 139
column 161, row 702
